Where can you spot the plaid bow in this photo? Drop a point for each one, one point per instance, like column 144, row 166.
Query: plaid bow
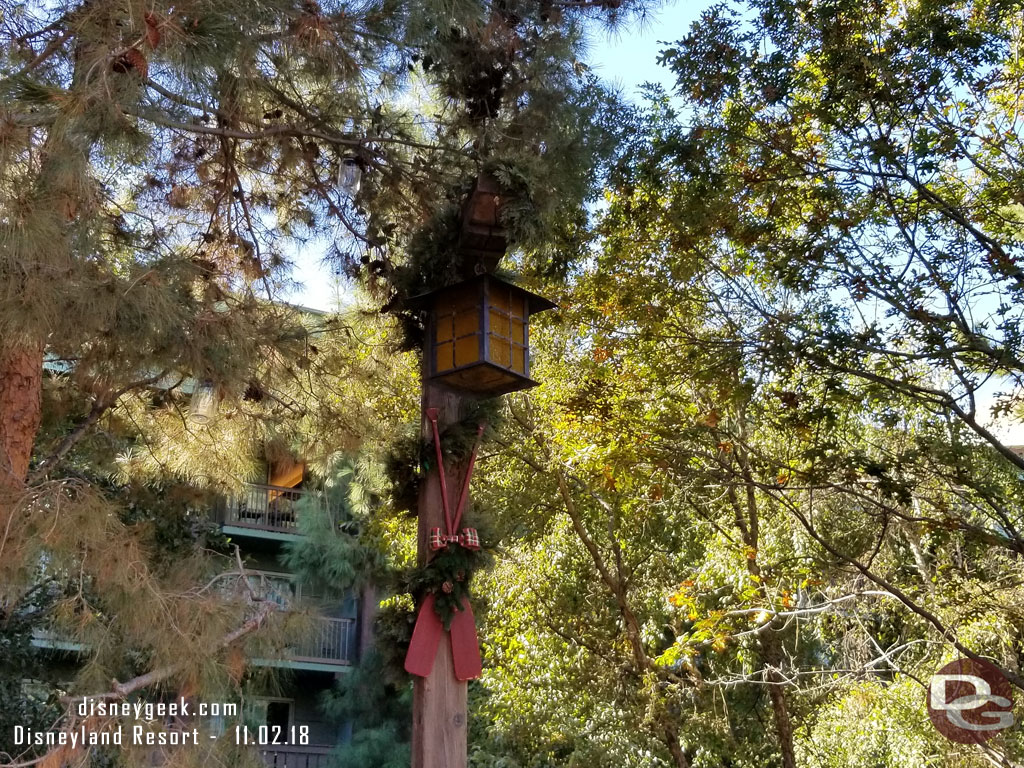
column 468, row 538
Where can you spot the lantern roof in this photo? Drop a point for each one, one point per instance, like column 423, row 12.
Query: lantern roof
column 537, row 303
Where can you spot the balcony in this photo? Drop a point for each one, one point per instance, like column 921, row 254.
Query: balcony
column 325, row 646
column 325, row 640
column 269, row 508
column 296, row 756
column 329, row 641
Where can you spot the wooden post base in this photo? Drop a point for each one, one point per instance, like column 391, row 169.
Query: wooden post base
column 439, row 715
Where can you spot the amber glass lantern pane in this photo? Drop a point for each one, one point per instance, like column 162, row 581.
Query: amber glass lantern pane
column 505, row 310
column 467, row 323
column 517, row 306
column 444, row 338
column 444, row 358
column 443, row 328
column 501, row 352
column 479, row 335
column 499, row 297
column 499, row 323
column 457, row 330
column 467, row 351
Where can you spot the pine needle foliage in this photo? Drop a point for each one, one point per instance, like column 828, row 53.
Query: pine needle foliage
column 160, row 162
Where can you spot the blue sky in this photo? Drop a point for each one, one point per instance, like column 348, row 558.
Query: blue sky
column 627, row 59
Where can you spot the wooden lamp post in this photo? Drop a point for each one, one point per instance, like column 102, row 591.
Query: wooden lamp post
column 477, row 345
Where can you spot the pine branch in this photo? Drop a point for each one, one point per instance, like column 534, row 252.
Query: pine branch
column 52, row 27
column 121, row 690
column 286, row 131
column 182, row 100
column 99, row 408
column 51, row 48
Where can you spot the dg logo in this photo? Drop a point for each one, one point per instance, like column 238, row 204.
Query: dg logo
column 970, row 701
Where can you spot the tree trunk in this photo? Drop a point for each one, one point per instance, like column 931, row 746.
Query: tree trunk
column 771, row 653
column 748, row 521
column 678, row 755
column 21, row 382
column 617, row 587
column 369, row 604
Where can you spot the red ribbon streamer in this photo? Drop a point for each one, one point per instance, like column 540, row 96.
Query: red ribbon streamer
column 427, row 635
column 419, row 659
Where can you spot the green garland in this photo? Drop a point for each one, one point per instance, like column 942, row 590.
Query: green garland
column 447, row 576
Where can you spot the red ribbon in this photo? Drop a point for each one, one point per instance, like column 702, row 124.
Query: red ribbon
column 426, row 637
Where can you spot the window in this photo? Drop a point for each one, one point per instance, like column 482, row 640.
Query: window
column 271, row 712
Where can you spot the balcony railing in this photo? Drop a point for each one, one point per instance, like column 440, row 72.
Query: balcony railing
column 322, row 639
column 264, row 507
column 296, row 757
column 328, row 641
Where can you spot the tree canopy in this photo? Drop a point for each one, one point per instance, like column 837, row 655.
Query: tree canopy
column 160, row 164
column 758, row 499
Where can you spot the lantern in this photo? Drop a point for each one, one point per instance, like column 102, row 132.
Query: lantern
column 350, row 175
column 203, row 408
column 478, row 335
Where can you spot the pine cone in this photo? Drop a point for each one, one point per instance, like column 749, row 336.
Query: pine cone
column 152, row 30
column 132, row 60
